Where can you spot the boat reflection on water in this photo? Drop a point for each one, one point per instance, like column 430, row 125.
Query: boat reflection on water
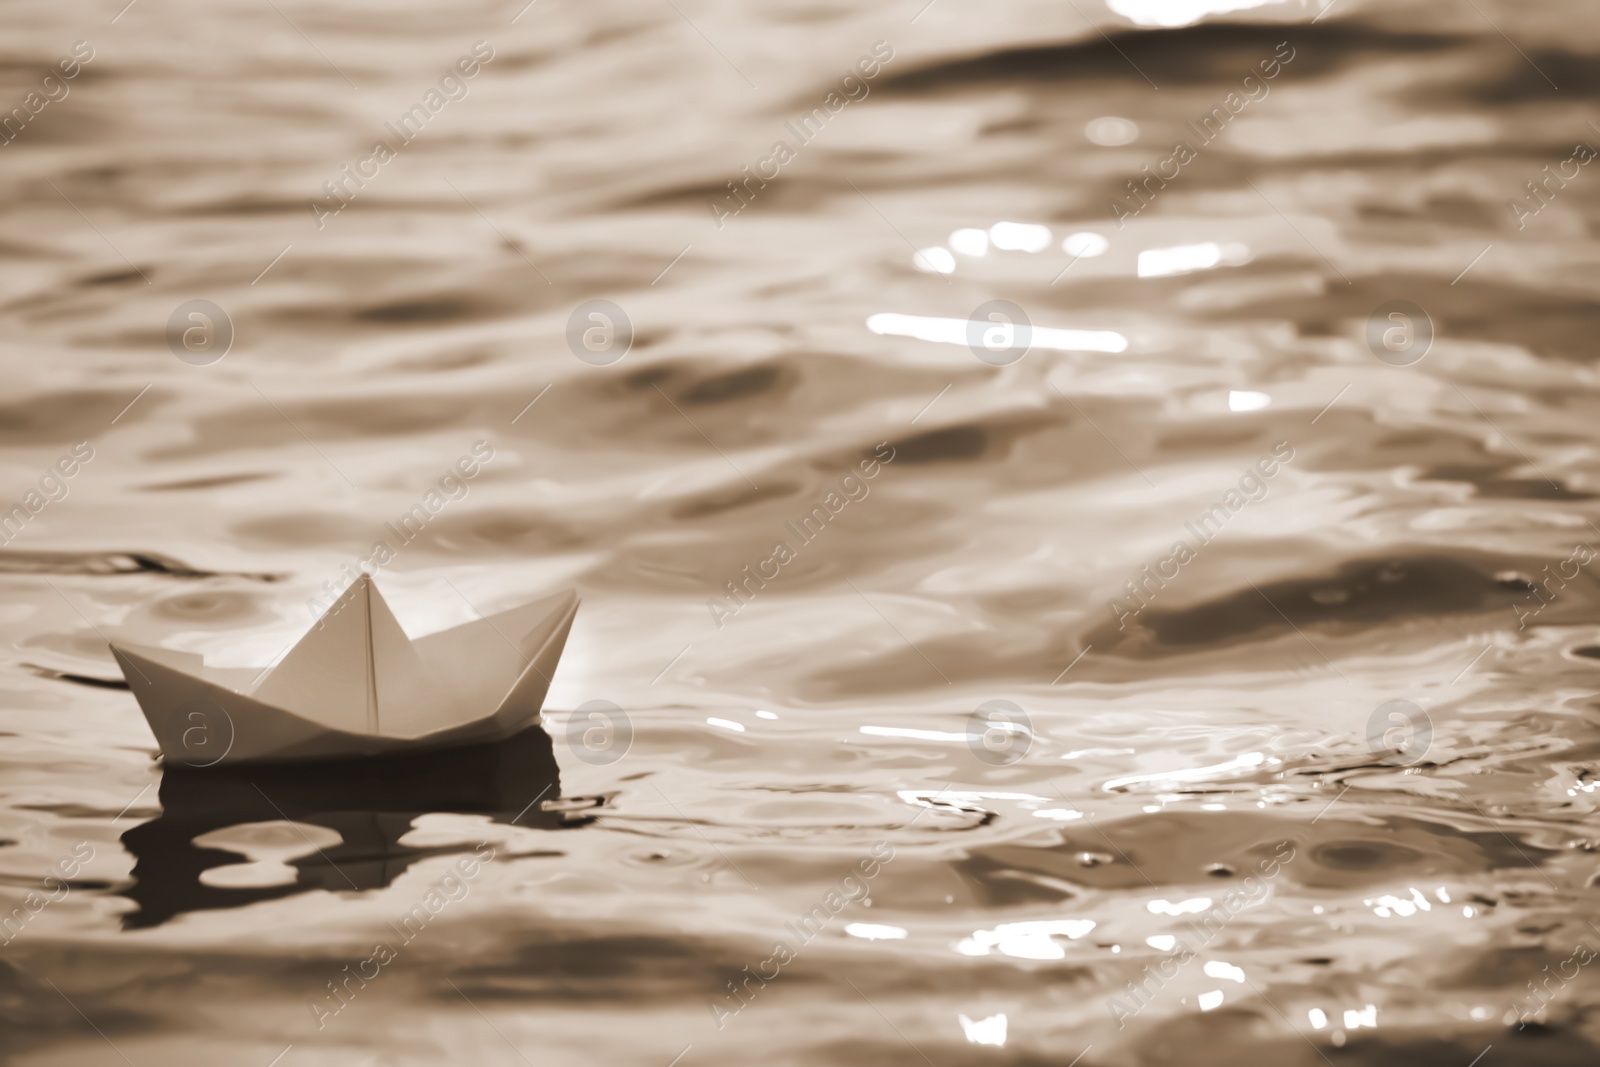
column 370, row 803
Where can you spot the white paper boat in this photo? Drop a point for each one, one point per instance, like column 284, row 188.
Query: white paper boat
column 356, row 685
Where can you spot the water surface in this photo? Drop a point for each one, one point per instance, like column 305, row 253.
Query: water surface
column 809, row 853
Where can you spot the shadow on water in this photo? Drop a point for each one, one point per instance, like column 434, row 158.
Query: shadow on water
column 369, row 803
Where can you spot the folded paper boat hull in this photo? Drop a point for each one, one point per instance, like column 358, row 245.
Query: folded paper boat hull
column 356, row 686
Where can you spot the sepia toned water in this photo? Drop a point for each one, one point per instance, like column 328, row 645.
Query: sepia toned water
column 1214, row 683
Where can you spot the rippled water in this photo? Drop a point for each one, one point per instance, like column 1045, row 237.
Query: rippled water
column 1205, row 790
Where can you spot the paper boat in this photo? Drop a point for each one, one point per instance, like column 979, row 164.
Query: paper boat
column 356, row 685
